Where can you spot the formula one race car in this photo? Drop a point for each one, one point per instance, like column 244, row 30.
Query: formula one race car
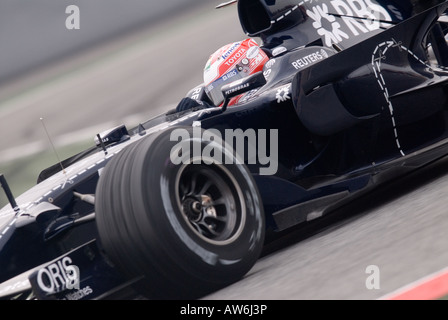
column 354, row 94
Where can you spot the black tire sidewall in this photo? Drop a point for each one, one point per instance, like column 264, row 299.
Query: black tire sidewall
column 181, row 244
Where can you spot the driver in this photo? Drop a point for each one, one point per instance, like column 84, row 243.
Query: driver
column 231, row 62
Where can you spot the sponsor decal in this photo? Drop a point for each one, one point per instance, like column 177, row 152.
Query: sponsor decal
column 267, row 73
column 231, row 49
column 234, row 59
column 58, row 276
column 79, row 294
column 256, row 62
column 236, row 88
column 252, row 52
column 229, row 75
column 283, row 94
column 309, row 59
column 195, row 94
column 268, row 68
column 248, row 96
column 278, row 51
column 326, row 25
column 270, row 63
column 324, row 20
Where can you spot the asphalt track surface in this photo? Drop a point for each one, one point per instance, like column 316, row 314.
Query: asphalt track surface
column 401, row 229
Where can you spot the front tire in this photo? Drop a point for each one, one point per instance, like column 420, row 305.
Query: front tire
column 189, row 229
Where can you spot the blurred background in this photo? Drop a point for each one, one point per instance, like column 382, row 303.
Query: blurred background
column 129, row 60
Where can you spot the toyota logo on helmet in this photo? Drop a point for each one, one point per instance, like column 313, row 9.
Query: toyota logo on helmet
column 230, row 63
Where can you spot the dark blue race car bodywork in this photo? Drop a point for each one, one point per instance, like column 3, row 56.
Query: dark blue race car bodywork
column 355, row 94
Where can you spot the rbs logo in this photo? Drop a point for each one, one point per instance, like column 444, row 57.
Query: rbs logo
column 358, row 17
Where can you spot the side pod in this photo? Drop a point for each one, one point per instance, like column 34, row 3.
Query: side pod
column 321, row 111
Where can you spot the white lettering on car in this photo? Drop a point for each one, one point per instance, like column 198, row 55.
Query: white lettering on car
column 58, row 276
column 307, row 60
column 333, row 32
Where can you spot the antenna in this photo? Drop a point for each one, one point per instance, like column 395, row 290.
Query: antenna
column 103, row 146
column 52, row 145
column 225, row 4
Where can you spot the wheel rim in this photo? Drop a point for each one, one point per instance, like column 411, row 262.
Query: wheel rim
column 211, row 202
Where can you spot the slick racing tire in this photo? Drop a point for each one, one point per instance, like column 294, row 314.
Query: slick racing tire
column 188, row 228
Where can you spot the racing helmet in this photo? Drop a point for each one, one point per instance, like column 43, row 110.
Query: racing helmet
column 230, row 63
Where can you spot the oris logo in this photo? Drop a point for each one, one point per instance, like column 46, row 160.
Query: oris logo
column 58, row 276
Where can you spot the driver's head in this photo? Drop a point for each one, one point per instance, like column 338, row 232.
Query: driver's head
column 230, row 63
